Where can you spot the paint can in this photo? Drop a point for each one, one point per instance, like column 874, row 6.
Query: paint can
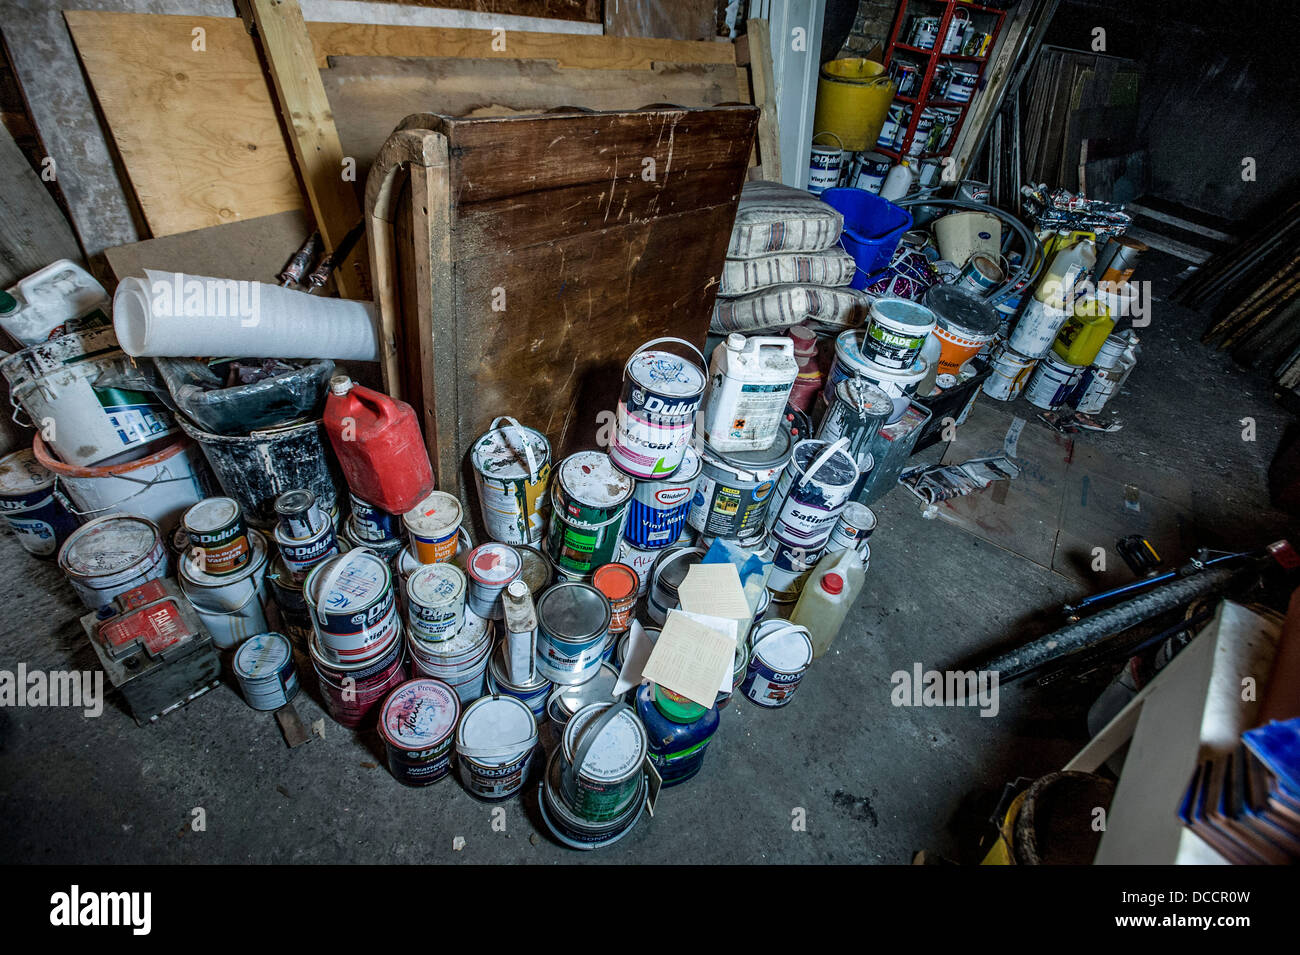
column 1118, row 260
column 907, row 76
column 896, row 331
column 1115, row 360
column 571, row 829
column 388, row 549
column 589, row 504
column 232, row 606
column 656, row 410
column 620, row 584
column 657, row 512
column 111, row 555
column 734, row 492
column 892, row 130
column 460, row 662
column 265, row 671
column 1051, row 382
column 925, row 31
column 603, row 748
column 39, row 515
column 435, row 602
column 572, row 630
column 353, row 691
column 564, row 701
column 298, row 515
column 159, row 486
column 640, row 560
column 352, row 607
column 851, row 361
column 295, row 617
column 961, row 84
column 852, row 530
column 669, row 571
column 495, row 743
column 1010, row 371
column 791, row 566
column 405, row 563
column 491, row 567
column 859, row 411
column 980, row 275
column 534, row 693
column 374, row 525
column 432, row 527
column 812, row 492
column 620, row 651
column 1037, row 328
column 958, row 24
column 301, row 556
column 417, row 723
column 823, row 166
column 512, row 469
column 869, row 172
column 964, row 326
column 257, row 468
column 217, row 536
column 781, row 655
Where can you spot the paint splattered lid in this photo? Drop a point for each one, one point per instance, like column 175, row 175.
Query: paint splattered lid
column 666, row 374
column 467, row 640
column 785, row 648
column 419, row 714
column 262, row 655
column 616, row 753
column 497, row 724
column 21, row 473
column 774, row 456
column 591, row 478
column 961, row 313
column 211, row 514
column 359, row 582
column 503, row 452
column 836, row 471
column 868, row 400
column 436, row 584
column 109, row 545
column 494, row 564
column 616, row 581
column 435, row 517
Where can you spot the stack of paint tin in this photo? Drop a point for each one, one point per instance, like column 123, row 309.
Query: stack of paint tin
column 223, row 572
column 373, row 527
column 304, row 533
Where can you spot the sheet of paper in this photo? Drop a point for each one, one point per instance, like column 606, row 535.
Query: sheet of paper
column 691, row 658
column 714, row 589
column 638, row 652
column 727, row 625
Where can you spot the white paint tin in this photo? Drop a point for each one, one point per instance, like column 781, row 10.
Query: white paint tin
column 495, row 743
column 110, row 556
column 1037, row 329
column 491, row 567
column 264, row 667
column 1051, row 382
column 1010, row 371
column 435, row 602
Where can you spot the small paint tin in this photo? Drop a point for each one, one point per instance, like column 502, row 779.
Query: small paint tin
column 435, row 602
column 38, row 513
column 264, row 667
column 589, row 504
column 491, row 567
column 855, row 525
column 668, row 573
column 657, row 512
column 432, row 527
column 495, row 744
column 565, row 701
column 791, row 565
column 218, row 537
column 512, row 469
column 781, row 654
column 417, row 724
column 640, row 560
column 735, row 490
column 1052, row 381
column 299, row 514
column 537, row 572
column 620, row 585
column 534, row 693
column 352, row 606
column 812, row 493
column 572, row 630
column 604, row 746
column 232, row 607
column 656, row 410
column 300, row 555
column 111, row 555
column 353, row 691
column 461, row 662
column 571, row 829
column 1009, row 374
column 373, row 525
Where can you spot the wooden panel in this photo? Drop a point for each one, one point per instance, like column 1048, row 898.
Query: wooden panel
column 33, row 231
column 585, row 10
column 371, row 95
column 675, row 19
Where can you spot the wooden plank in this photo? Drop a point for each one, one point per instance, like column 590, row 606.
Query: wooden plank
column 674, row 19
column 586, row 10
column 757, row 51
column 33, row 231
column 305, row 108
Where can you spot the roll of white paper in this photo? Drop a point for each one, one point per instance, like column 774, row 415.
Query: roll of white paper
column 175, row 315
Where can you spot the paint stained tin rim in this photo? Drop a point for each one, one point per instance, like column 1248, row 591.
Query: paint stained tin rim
column 430, row 735
column 473, row 712
column 570, row 698
column 77, row 563
column 550, row 621
column 862, row 401
column 433, row 595
column 435, row 522
column 493, row 454
column 511, row 564
column 619, row 491
column 645, row 369
column 20, row 473
column 786, row 656
column 627, row 760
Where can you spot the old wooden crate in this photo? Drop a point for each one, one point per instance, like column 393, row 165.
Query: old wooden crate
column 518, row 261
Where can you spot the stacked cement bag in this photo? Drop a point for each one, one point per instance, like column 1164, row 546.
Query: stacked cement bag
column 785, row 266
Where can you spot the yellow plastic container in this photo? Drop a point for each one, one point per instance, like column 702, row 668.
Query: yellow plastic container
column 1084, row 332
column 853, row 96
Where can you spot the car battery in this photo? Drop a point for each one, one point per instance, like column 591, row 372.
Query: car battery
column 154, row 650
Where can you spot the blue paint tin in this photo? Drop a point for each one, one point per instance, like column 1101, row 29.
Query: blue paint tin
column 33, row 508
column 657, row 512
column 374, row 525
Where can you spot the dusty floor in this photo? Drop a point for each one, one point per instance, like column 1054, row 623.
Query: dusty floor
column 877, row 783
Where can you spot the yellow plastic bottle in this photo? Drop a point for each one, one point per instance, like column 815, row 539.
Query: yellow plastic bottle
column 1084, row 332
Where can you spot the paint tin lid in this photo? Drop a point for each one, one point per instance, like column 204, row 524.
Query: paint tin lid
column 362, row 580
column 676, row 707
column 21, row 473
column 435, row 517
column 776, row 455
column 433, row 585
column 837, row 470
column 503, row 452
column 419, row 714
column 617, row 751
column 109, row 545
column 903, row 314
column 857, row 514
column 573, row 611
column 616, row 581
column 674, row 565
column 599, row 689
column 494, row 564
column 211, row 514
column 262, row 655
column 783, row 646
column 960, row 312
column 191, row 570
column 868, row 400
column 496, row 729
column 537, row 572
column 666, row 374
column 590, row 478
column 295, row 502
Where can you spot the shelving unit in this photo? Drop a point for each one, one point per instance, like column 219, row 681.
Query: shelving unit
column 985, row 19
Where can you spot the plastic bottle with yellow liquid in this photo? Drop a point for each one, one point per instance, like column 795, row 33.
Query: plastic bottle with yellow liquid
column 828, row 597
column 1084, row 332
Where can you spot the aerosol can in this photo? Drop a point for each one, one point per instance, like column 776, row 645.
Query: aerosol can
column 749, row 385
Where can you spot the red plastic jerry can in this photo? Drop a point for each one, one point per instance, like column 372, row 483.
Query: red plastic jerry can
column 379, row 446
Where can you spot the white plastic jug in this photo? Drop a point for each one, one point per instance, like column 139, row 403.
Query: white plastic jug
column 1067, row 267
column 749, row 386
column 898, row 182
column 45, row 300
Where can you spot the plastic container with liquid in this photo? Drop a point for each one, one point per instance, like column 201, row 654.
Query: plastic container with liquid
column 1084, row 332
column 827, row 598
column 40, row 304
column 749, row 384
column 1067, row 267
column 379, row 446
column 899, row 181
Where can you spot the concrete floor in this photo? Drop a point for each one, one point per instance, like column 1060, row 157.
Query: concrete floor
column 877, row 783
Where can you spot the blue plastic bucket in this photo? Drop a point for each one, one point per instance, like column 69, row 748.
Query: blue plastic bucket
column 872, row 229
